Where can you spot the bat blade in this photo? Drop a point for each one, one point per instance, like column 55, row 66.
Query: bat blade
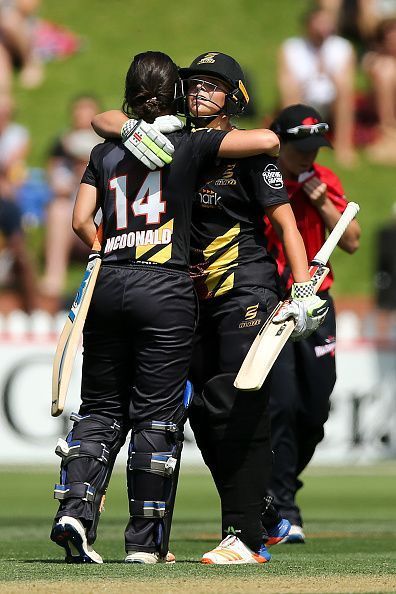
column 70, row 337
column 269, row 342
column 272, row 337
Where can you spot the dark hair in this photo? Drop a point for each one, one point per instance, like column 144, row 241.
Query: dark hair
column 150, row 86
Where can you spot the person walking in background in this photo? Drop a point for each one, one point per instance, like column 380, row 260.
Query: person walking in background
column 318, row 69
column 304, row 375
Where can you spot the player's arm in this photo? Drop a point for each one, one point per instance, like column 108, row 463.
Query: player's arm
column 85, row 209
column 316, row 191
column 145, row 141
column 283, row 220
column 306, row 308
column 237, row 143
column 109, row 123
column 248, row 143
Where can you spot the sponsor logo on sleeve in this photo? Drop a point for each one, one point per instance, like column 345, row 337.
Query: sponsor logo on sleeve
column 273, row 177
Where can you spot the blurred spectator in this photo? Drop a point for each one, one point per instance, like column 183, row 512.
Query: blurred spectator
column 68, row 159
column 14, row 144
column 318, row 69
column 385, row 277
column 358, row 19
column 17, row 277
column 17, row 26
column 380, row 66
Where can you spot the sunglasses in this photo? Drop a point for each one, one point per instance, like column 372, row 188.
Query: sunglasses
column 194, row 85
column 306, row 130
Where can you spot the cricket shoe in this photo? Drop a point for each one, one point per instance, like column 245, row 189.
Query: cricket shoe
column 232, row 551
column 148, row 558
column 70, row 534
column 295, row 536
column 278, row 533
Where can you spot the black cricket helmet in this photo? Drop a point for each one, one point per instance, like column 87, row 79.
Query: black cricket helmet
column 224, row 68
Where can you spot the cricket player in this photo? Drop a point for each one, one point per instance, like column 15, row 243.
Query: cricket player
column 139, row 329
column 237, row 284
column 304, row 375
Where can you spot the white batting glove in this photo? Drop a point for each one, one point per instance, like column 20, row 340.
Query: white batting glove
column 307, row 309
column 147, row 143
column 168, row 123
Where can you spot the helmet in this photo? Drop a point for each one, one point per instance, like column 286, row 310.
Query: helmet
column 225, row 68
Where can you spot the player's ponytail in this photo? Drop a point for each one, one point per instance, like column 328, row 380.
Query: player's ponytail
column 150, row 86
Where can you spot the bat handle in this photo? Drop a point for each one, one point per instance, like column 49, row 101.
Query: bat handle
column 329, row 245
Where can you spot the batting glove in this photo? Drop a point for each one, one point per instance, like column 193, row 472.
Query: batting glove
column 147, row 143
column 307, row 309
column 168, row 123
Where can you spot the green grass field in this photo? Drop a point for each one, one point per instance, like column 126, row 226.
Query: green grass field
column 350, row 521
column 251, row 30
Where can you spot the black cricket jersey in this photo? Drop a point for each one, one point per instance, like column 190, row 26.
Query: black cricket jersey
column 147, row 214
column 228, row 245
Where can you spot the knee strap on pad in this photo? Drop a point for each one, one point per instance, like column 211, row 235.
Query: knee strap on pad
column 77, row 490
column 160, row 463
column 153, row 470
column 153, row 475
column 88, row 456
column 75, row 448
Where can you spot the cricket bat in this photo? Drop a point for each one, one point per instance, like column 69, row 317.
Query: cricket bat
column 272, row 337
column 69, row 339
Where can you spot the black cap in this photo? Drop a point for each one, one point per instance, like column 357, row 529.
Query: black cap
column 303, row 126
column 215, row 64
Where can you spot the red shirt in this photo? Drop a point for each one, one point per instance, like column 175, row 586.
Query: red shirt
column 309, row 221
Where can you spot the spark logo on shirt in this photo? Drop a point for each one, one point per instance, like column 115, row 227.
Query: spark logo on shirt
column 208, row 198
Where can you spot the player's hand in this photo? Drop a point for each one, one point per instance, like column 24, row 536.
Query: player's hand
column 147, row 143
column 316, row 191
column 168, row 123
column 306, row 308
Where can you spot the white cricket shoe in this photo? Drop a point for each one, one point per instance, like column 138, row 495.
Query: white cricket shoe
column 296, row 535
column 70, row 534
column 232, row 551
column 147, row 558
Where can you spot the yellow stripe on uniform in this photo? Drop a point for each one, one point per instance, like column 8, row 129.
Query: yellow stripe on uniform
column 140, row 250
column 225, row 259
column 226, row 285
column 222, row 241
column 163, row 255
column 220, row 266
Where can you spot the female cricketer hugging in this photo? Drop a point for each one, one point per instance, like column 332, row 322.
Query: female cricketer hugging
column 139, row 330
column 237, row 282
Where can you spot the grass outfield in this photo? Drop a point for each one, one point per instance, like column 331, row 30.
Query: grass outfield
column 350, row 520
